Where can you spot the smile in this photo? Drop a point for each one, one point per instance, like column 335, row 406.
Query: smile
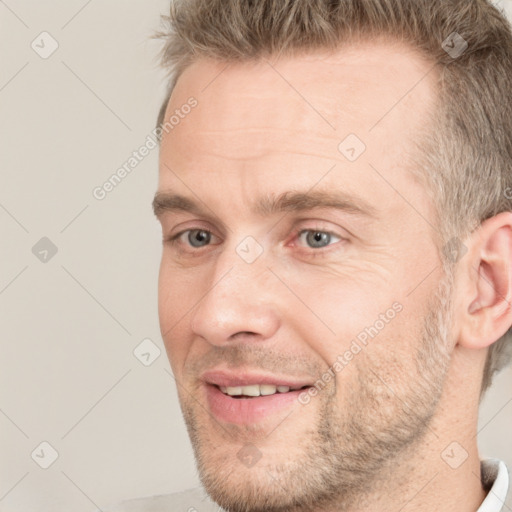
column 255, row 390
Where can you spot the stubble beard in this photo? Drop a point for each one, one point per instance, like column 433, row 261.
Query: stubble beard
column 348, row 452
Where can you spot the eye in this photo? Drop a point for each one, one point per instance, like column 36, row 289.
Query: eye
column 317, row 239
column 194, row 237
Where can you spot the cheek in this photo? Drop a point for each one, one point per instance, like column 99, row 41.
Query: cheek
column 175, row 300
column 341, row 309
column 177, row 350
column 371, row 332
column 378, row 363
column 177, row 294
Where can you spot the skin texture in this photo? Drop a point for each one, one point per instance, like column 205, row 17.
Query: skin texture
column 373, row 438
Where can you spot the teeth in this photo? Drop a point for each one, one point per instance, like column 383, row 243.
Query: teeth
column 267, row 389
column 234, row 391
column 256, row 390
column 253, row 390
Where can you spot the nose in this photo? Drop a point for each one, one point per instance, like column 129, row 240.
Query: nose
column 239, row 302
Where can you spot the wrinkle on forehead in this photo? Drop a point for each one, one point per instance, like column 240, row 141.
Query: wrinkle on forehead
column 261, row 126
column 319, row 96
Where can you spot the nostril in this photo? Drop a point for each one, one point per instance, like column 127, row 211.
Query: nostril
column 242, row 333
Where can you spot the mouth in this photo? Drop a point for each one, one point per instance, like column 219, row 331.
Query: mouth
column 245, row 398
column 256, row 390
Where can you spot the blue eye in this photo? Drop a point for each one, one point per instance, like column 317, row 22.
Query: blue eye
column 198, row 237
column 317, row 239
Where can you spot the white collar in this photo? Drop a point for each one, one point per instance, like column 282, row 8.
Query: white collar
column 495, row 479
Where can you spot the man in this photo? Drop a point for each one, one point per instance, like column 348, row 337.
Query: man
column 336, row 279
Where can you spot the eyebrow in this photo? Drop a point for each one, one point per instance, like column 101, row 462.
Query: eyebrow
column 271, row 204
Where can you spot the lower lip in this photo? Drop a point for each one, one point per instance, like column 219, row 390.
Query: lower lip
column 243, row 411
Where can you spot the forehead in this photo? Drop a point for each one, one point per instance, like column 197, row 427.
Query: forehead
column 353, row 86
column 259, row 119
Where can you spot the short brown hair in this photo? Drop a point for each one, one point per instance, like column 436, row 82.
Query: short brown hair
column 465, row 156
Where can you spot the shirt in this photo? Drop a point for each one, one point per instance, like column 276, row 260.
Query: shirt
column 494, row 473
column 495, row 477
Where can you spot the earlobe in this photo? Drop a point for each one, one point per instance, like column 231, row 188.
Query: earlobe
column 487, row 310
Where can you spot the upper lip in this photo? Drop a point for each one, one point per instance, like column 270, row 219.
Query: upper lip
column 246, row 378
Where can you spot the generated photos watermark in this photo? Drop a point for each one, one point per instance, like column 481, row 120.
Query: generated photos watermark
column 100, row 192
column 356, row 346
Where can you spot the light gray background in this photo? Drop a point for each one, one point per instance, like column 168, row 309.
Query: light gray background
column 68, row 375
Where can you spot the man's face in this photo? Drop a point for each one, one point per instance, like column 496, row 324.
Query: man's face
column 262, row 297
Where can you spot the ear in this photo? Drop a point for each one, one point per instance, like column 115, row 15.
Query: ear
column 485, row 304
